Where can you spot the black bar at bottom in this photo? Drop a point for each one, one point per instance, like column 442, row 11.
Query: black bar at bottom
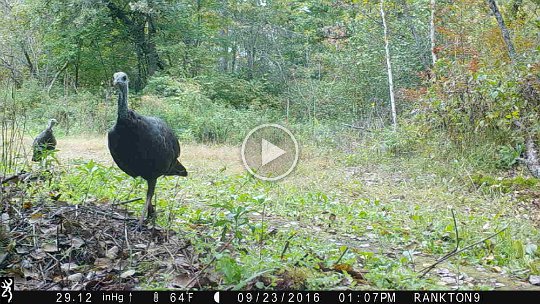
column 248, row 297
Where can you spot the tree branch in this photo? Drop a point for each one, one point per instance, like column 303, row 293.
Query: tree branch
column 56, row 76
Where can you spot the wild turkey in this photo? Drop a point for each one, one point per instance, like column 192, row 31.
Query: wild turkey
column 45, row 141
column 142, row 146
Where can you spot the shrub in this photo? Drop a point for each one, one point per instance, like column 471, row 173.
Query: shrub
column 83, row 112
column 194, row 116
column 236, row 92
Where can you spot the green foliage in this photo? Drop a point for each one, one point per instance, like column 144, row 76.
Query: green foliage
column 92, row 181
column 78, row 113
column 167, row 86
column 237, row 92
column 505, row 185
column 232, row 272
column 406, row 140
column 194, row 116
column 508, row 155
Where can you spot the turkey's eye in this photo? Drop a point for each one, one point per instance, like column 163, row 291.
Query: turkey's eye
column 124, row 78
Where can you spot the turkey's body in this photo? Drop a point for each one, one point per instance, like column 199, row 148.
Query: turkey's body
column 146, row 147
column 44, row 141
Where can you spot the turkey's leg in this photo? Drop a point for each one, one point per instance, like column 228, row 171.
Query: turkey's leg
column 148, row 207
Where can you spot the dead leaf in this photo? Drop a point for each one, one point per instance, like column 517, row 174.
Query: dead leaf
column 66, row 267
column 77, row 242
column 49, row 247
column 38, row 254
column 48, row 230
column 112, row 253
column 103, row 263
column 21, row 250
column 76, row 277
column 342, row 267
column 181, row 281
column 35, row 218
column 496, row 269
column 127, row 274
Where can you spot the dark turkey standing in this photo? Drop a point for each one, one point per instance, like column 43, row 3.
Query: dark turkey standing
column 142, row 146
column 44, row 141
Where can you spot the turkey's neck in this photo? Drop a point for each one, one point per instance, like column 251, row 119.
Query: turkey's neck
column 122, row 102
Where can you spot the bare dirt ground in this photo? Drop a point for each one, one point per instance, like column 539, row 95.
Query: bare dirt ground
column 194, row 156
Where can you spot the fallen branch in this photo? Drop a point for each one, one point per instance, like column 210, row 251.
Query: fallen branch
column 446, row 257
column 128, row 201
column 21, row 176
column 457, row 236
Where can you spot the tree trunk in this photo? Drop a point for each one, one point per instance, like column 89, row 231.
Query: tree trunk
column 29, row 63
column 154, row 63
column 389, row 67
column 234, row 52
column 77, row 63
column 432, row 32
column 142, row 31
column 531, row 153
column 224, row 57
column 504, row 30
column 224, row 35
column 142, row 63
column 532, row 162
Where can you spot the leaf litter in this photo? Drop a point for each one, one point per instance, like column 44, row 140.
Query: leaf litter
column 92, row 246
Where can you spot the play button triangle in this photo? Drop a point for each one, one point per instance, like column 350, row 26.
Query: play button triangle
column 269, row 151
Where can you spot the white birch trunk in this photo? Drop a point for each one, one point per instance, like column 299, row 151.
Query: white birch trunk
column 389, row 67
column 432, row 32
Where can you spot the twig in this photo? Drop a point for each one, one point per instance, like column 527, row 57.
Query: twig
column 286, row 245
column 427, row 269
column 446, row 257
column 128, row 201
column 457, row 237
column 341, row 256
column 356, row 127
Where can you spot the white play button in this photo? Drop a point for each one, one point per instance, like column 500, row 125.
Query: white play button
column 269, row 151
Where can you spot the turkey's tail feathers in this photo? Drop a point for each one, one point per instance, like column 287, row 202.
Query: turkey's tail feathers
column 177, row 169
